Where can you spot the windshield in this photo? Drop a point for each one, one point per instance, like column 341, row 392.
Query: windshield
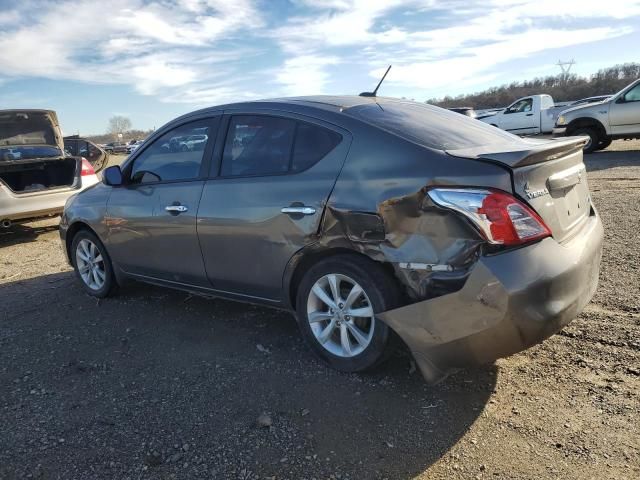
column 429, row 126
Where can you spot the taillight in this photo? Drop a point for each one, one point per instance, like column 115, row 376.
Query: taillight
column 501, row 218
column 87, row 168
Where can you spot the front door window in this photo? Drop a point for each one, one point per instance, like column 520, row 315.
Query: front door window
column 176, row 155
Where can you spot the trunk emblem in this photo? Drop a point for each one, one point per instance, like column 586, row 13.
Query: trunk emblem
column 531, row 194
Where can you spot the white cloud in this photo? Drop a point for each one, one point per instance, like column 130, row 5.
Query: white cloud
column 150, row 46
column 344, row 23
column 476, row 38
column 305, row 74
column 199, row 51
column 480, row 60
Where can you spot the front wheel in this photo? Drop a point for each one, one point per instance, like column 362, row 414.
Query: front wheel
column 336, row 305
column 594, row 138
column 92, row 264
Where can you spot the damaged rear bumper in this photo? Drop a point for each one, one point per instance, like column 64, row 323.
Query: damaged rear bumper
column 510, row 301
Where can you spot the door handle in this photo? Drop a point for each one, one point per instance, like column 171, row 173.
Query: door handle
column 176, row 208
column 298, row 210
column 529, row 114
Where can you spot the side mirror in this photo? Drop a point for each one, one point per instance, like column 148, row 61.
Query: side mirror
column 112, row 176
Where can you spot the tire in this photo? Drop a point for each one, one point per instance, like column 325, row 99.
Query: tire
column 96, row 284
column 370, row 340
column 594, row 138
column 603, row 144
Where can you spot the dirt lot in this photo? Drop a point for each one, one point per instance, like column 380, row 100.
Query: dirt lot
column 158, row 384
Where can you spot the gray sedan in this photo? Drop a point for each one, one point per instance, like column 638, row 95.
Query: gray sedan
column 367, row 218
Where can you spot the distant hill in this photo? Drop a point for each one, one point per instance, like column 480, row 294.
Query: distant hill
column 561, row 88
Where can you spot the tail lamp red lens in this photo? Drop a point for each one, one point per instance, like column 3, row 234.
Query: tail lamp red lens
column 500, row 217
column 87, row 168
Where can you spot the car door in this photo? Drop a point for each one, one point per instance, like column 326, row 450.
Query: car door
column 266, row 203
column 151, row 219
column 624, row 113
column 94, row 154
column 519, row 118
column 71, row 146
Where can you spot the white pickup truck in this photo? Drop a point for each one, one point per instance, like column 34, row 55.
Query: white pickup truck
column 615, row 118
column 528, row 115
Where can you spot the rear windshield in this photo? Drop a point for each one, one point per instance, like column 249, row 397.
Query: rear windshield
column 430, row 126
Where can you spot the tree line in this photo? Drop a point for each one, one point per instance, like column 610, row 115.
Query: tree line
column 119, row 124
column 561, row 87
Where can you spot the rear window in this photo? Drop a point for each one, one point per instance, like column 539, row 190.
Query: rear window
column 430, row 126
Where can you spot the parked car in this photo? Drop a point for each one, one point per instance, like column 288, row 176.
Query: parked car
column 363, row 216
column 37, row 177
column 468, row 111
column 530, row 115
column 116, row 147
column 132, row 146
column 616, row 118
column 81, row 147
column 194, row 142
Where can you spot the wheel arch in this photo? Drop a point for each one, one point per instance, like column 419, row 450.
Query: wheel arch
column 586, row 122
column 309, row 256
column 72, row 231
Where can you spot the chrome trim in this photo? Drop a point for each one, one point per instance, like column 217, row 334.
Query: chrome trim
column 298, row 210
column 176, row 208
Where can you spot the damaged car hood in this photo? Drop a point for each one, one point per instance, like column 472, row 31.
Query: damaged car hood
column 29, row 134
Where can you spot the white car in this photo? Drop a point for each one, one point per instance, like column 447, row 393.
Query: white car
column 132, row 147
column 37, row 177
column 194, row 142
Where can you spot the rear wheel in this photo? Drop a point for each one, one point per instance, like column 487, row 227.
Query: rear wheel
column 594, row 138
column 336, row 306
column 92, row 264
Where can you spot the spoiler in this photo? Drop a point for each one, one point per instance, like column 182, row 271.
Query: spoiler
column 527, row 152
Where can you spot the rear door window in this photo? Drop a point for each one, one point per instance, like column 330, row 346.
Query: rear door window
column 257, row 145
column 268, row 145
column 176, row 155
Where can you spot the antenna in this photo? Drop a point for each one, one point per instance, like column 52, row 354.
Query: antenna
column 373, row 94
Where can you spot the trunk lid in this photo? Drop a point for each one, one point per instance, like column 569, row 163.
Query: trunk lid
column 549, row 175
column 29, row 135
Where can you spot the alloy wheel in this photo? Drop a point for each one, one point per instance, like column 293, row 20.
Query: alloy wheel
column 90, row 264
column 340, row 315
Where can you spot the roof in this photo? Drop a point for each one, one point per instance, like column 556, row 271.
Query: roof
column 327, row 102
column 340, row 101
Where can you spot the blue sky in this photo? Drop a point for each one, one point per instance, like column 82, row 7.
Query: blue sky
column 152, row 61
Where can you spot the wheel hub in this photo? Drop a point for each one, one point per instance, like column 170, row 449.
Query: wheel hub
column 340, row 315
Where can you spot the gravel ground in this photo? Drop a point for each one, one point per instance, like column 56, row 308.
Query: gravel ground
column 155, row 383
